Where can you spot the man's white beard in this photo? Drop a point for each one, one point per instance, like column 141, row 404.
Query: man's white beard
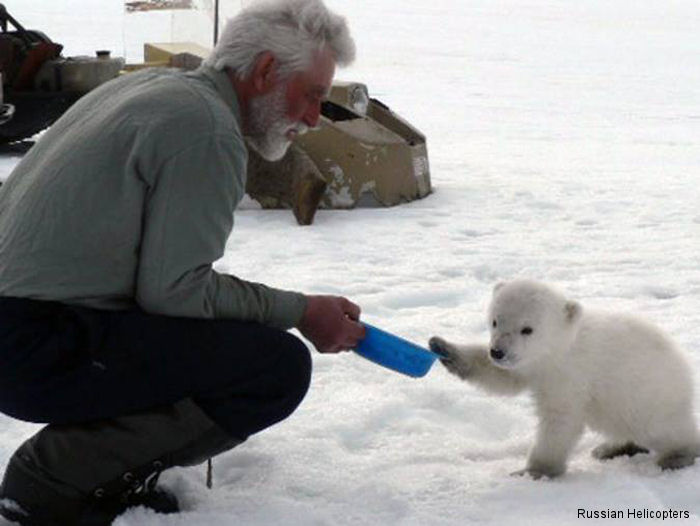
column 269, row 126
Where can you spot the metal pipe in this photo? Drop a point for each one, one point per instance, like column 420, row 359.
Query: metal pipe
column 216, row 21
column 6, row 17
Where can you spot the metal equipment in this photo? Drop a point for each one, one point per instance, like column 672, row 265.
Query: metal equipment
column 40, row 83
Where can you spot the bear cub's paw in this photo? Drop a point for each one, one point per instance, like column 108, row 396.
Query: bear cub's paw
column 608, row 451
column 676, row 460
column 538, row 473
column 449, row 356
column 441, row 347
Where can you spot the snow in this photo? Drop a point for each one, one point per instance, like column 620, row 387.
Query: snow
column 563, row 146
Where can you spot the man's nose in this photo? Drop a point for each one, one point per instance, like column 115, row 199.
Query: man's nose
column 312, row 115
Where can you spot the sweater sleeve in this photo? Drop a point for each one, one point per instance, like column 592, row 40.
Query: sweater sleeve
column 188, row 218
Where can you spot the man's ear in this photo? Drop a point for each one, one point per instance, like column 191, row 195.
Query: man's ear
column 264, row 75
column 573, row 310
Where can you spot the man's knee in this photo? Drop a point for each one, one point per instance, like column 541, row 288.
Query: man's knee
column 270, row 395
column 294, row 370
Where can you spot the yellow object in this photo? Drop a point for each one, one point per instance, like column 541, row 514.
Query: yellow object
column 163, row 52
column 136, row 67
column 367, row 154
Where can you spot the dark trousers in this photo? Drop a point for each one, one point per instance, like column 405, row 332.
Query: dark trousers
column 66, row 364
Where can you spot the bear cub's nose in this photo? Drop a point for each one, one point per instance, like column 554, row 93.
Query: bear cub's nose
column 497, row 354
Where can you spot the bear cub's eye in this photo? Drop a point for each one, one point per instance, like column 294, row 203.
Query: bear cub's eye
column 526, row 330
column 494, row 324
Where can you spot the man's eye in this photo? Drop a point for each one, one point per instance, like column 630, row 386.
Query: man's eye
column 526, row 330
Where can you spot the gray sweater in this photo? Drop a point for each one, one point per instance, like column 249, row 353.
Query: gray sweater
column 128, row 199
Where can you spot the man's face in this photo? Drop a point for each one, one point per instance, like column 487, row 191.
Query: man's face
column 290, row 108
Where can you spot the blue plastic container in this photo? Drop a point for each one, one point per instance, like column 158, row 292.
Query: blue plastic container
column 395, row 353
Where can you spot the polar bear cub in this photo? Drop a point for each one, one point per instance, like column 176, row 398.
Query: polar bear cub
column 614, row 373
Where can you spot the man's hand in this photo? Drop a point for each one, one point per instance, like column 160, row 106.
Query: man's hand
column 331, row 323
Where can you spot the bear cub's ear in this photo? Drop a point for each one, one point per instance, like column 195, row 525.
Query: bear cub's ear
column 573, row 311
column 498, row 286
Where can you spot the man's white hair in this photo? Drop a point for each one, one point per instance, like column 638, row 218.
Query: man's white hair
column 292, row 30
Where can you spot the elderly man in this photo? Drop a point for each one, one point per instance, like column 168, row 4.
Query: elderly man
column 114, row 328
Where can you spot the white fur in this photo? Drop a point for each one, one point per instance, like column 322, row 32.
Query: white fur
column 612, row 372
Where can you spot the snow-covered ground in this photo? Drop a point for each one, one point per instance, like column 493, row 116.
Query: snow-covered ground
column 564, row 142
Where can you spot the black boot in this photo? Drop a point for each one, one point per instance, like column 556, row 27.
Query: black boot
column 87, row 475
column 31, row 498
